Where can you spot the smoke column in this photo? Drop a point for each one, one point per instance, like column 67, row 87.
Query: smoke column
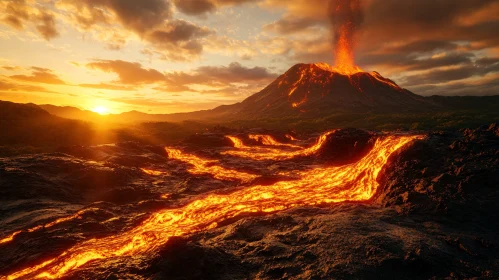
column 346, row 18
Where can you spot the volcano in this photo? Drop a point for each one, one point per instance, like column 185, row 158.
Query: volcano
column 314, row 90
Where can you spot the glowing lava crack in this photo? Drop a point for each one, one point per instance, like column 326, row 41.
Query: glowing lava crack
column 353, row 182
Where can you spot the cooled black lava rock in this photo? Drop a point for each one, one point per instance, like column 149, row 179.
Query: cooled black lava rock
column 347, row 145
column 208, row 140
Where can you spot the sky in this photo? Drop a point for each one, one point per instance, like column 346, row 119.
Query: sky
column 167, row 56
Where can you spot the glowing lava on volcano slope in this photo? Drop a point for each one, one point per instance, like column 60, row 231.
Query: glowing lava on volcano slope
column 322, row 185
column 259, row 153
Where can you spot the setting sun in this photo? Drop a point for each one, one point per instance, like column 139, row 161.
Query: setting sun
column 100, row 110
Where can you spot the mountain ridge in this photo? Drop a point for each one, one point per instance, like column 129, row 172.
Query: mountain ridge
column 305, row 91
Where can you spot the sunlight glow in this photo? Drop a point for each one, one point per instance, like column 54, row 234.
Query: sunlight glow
column 100, row 110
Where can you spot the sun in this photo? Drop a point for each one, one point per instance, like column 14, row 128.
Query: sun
column 101, row 110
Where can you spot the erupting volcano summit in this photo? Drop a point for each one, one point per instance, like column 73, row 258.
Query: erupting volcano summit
column 314, row 90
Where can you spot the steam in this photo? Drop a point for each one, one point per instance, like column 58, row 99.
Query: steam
column 346, row 18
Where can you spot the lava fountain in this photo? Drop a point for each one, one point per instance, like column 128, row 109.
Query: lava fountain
column 319, row 185
column 346, row 17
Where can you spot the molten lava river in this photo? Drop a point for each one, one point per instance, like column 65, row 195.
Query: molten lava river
column 317, row 185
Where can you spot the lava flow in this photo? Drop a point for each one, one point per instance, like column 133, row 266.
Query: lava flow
column 203, row 166
column 258, row 153
column 78, row 215
column 270, row 141
column 322, row 185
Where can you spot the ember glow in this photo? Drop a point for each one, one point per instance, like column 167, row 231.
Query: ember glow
column 320, row 185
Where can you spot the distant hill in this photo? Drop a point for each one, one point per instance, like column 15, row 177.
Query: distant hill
column 28, row 124
column 69, row 112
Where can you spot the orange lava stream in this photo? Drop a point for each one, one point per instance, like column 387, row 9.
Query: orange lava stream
column 290, row 137
column 153, row 172
column 270, row 141
column 344, row 55
column 353, row 182
column 204, row 166
column 48, row 225
column 274, row 154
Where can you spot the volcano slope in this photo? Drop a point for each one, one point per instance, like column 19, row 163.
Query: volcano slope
column 318, row 90
column 227, row 205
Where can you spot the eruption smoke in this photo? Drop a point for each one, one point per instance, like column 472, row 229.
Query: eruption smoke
column 346, row 19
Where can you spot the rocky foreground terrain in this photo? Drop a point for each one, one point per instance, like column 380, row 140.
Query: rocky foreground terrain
column 434, row 214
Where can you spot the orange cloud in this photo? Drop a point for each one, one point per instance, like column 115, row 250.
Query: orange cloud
column 128, row 72
column 8, row 86
column 40, row 75
column 199, row 7
column 16, row 13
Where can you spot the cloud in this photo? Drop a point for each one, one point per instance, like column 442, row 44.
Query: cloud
column 179, row 38
column 8, row 86
column 292, row 24
column 17, row 13
column 439, row 76
column 151, row 20
column 199, row 7
column 107, row 87
column 40, row 75
column 485, row 86
column 177, row 31
column 47, row 27
column 128, row 72
column 139, row 16
column 221, row 75
column 12, row 68
column 195, row 7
